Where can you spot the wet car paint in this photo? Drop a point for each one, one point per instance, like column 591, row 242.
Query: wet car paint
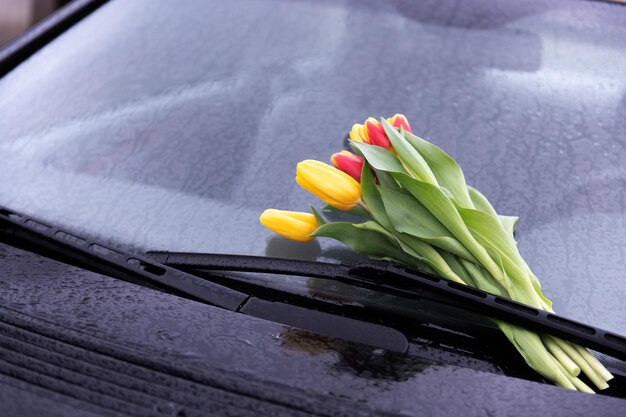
column 277, row 363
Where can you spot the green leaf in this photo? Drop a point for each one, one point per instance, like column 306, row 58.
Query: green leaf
column 386, row 180
column 363, row 239
column 483, row 279
column 376, row 227
column 445, row 169
column 409, row 156
column 537, row 286
column 457, row 266
column 482, row 203
column 416, row 249
column 371, row 197
column 490, row 233
column 358, row 239
column 437, row 203
column 318, row 217
column 435, row 200
column 428, row 255
column 374, row 203
column 379, row 158
column 409, row 216
column 509, row 223
column 357, row 211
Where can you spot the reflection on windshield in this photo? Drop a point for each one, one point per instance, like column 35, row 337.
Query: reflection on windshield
column 364, row 361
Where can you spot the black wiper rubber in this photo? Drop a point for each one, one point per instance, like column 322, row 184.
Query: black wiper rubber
column 409, row 283
column 131, row 266
column 110, row 260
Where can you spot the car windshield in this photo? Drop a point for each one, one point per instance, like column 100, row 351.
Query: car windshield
column 173, row 125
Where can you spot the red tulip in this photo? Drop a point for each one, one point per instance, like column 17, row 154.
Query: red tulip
column 400, row 121
column 349, row 163
column 376, row 133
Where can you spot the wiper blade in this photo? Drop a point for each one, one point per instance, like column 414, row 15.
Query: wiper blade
column 409, row 283
column 133, row 267
column 113, row 261
column 174, row 272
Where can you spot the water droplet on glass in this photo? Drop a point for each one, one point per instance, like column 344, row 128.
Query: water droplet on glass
column 170, row 409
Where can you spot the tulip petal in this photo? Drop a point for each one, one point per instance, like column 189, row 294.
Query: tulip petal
column 357, row 135
column 400, row 121
column 410, row 157
column 376, row 133
column 290, row 224
column 349, row 163
column 321, row 194
column 328, row 183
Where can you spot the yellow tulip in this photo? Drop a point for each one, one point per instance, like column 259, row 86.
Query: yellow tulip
column 329, row 184
column 359, row 133
column 293, row 225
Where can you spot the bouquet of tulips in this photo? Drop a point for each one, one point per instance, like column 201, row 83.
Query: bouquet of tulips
column 418, row 210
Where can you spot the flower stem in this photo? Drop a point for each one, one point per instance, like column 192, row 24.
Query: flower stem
column 595, row 364
column 578, row 384
column 561, row 356
column 585, row 367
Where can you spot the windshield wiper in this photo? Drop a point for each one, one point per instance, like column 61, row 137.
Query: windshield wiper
column 21, row 230
column 408, row 283
column 115, row 261
column 174, row 272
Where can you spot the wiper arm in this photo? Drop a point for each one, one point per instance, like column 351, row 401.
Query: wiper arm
column 115, row 261
column 137, row 268
column 174, row 272
column 409, row 283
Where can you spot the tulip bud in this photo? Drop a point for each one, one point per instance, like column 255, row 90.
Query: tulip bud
column 293, row 225
column 359, row 133
column 329, row 184
column 376, row 133
column 349, row 163
column 400, row 121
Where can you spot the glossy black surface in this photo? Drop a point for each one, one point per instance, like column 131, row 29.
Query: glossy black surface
column 172, row 125
column 217, row 354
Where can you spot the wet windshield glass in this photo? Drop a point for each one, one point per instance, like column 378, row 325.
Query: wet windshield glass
column 174, row 127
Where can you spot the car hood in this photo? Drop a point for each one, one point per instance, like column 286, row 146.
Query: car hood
column 108, row 344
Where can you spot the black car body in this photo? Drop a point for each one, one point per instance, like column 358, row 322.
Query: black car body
column 172, row 125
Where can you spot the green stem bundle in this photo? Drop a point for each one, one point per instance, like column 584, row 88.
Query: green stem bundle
column 420, row 211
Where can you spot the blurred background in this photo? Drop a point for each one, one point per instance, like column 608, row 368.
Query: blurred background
column 16, row 16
